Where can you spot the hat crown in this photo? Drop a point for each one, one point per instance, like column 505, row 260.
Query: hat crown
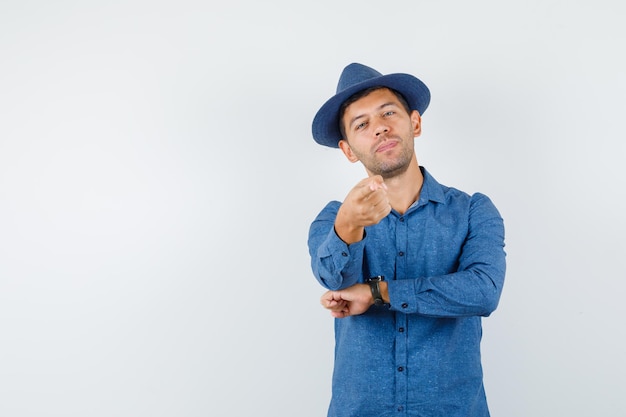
column 354, row 74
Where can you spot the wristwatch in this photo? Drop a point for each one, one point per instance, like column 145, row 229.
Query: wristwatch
column 374, row 283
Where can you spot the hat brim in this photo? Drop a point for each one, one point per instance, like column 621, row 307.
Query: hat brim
column 326, row 122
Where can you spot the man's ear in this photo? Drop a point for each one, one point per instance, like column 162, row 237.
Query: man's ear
column 347, row 150
column 416, row 120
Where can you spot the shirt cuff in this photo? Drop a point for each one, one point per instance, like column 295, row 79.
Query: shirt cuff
column 403, row 295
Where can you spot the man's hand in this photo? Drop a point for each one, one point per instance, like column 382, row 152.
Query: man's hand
column 350, row 301
column 366, row 204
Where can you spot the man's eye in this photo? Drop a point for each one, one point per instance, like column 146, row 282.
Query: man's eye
column 390, row 113
column 360, row 126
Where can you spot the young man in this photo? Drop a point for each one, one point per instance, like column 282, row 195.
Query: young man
column 411, row 265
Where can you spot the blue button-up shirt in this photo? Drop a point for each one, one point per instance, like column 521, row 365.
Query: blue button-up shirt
column 444, row 261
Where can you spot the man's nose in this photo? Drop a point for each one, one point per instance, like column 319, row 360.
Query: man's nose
column 381, row 127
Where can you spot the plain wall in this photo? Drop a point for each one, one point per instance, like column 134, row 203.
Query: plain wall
column 158, row 178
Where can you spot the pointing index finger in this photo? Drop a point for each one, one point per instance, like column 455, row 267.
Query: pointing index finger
column 373, row 184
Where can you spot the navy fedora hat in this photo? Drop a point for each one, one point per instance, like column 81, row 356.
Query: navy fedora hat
column 354, row 78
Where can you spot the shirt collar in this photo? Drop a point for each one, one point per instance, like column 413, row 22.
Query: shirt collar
column 431, row 190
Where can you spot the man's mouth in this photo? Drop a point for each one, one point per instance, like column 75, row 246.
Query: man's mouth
column 386, row 145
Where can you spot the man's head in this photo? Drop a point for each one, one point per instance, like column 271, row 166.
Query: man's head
column 357, row 78
column 379, row 131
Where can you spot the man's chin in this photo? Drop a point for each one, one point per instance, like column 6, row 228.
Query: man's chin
column 393, row 171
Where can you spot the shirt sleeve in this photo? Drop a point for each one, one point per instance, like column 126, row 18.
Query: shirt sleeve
column 475, row 288
column 335, row 264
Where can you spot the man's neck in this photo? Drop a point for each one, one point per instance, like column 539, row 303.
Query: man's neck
column 404, row 189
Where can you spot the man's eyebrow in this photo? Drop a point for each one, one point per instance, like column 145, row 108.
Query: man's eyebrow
column 382, row 106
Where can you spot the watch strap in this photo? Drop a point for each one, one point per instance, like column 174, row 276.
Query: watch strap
column 374, row 284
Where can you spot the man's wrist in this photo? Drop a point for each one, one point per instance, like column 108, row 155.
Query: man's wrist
column 346, row 231
column 384, row 291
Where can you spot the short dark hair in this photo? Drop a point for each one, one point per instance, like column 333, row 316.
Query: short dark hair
column 360, row 94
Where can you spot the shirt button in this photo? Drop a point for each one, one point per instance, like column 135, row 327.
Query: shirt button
column 401, row 219
column 401, row 329
column 401, row 253
column 404, row 305
column 400, row 369
column 400, row 408
column 344, row 254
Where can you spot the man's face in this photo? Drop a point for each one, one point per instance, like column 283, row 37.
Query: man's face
column 380, row 133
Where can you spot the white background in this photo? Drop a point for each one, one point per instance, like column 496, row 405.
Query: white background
column 158, row 177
